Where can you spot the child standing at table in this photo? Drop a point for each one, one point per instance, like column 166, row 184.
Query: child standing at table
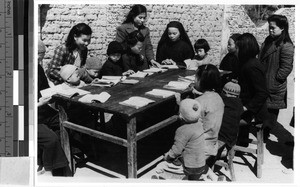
column 189, row 141
column 133, row 59
column 91, row 70
column 174, row 46
column 230, row 62
column 201, row 47
column 69, row 73
column 114, row 64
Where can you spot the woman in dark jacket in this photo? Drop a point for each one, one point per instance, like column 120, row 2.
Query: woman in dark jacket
column 277, row 55
column 135, row 20
column 252, row 80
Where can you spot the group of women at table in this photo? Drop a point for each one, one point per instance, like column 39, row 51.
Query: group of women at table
column 261, row 72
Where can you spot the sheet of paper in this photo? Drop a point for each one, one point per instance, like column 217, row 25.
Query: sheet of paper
column 160, row 93
column 137, row 102
column 177, row 85
column 170, row 66
column 155, row 70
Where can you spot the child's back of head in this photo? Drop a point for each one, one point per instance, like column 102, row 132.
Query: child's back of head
column 190, row 110
column 232, row 89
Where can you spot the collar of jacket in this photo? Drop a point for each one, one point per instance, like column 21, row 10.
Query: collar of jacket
column 129, row 27
column 271, row 50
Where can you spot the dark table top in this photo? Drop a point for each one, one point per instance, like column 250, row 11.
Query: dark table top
column 121, row 92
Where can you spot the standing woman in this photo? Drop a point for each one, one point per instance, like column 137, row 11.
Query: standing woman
column 252, row 81
column 73, row 51
column 174, row 45
column 277, row 55
column 135, row 21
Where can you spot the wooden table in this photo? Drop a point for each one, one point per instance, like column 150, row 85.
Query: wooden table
column 121, row 92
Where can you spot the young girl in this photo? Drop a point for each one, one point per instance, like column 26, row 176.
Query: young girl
column 230, row 62
column 207, row 86
column 174, row 46
column 132, row 59
column 278, row 55
column 252, row 80
column 74, row 52
column 201, row 47
column 135, row 21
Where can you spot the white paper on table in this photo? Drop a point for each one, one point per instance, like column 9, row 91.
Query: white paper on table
column 155, row 70
column 170, row 66
column 89, row 98
column 64, row 90
column 112, row 77
column 160, row 93
column 178, row 85
column 137, row 102
column 139, row 74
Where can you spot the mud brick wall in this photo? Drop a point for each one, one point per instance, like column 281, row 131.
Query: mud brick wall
column 214, row 23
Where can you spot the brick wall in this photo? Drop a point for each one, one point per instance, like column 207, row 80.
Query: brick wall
column 212, row 22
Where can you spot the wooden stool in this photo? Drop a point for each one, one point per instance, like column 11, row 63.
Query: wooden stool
column 226, row 162
column 259, row 150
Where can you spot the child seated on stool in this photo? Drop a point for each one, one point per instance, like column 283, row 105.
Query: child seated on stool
column 189, row 141
column 114, row 64
column 232, row 113
column 91, row 71
column 69, row 73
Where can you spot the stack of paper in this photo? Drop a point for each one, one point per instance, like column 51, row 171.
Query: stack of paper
column 177, row 85
column 89, row 98
column 139, row 74
column 160, row 93
column 137, row 102
column 129, row 81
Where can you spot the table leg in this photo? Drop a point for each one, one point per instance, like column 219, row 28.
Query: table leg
column 131, row 148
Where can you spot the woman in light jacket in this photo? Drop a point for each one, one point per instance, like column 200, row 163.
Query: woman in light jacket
column 277, row 54
column 135, row 21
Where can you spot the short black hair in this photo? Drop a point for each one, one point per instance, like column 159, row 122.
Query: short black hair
column 247, row 47
column 209, row 78
column 202, row 43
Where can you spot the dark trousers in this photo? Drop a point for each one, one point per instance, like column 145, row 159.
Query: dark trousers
column 51, row 152
column 195, row 173
column 272, row 118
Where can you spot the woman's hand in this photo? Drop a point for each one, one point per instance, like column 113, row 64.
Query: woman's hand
column 44, row 100
column 168, row 62
column 128, row 72
column 155, row 64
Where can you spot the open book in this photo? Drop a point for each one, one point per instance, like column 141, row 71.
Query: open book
column 189, row 79
column 160, row 93
column 177, row 85
column 106, row 81
column 139, row 74
column 89, row 98
column 136, row 102
column 67, row 92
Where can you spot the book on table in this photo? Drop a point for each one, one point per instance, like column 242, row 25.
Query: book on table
column 89, row 98
column 155, row 70
column 106, row 81
column 137, row 102
column 129, row 81
column 66, row 92
column 139, row 74
column 177, row 85
column 160, row 93
column 172, row 66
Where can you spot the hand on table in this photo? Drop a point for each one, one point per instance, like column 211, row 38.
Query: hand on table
column 128, row 72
